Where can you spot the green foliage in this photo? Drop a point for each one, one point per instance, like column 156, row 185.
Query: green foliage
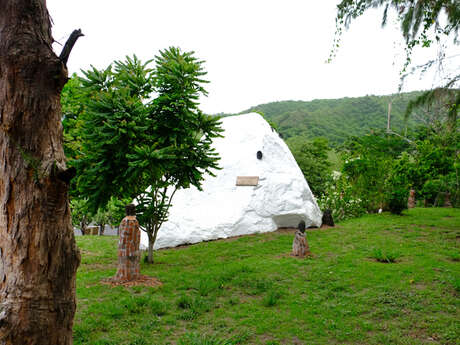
column 442, row 104
column 368, row 164
column 271, row 298
column 115, row 122
column 101, row 218
column 385, row 256
column 133, row 145
column 397, row 201
column 435, row 165
column 184, row 302
column 182, row 132
column 336, row 119
column 72, row 103
column 81, row 215
column 116, row 211
column 192, row 307
column 423, row 23
column 341, row 199
column 312, row 158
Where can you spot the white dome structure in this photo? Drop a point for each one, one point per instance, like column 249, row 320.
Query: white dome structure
column 274, row 193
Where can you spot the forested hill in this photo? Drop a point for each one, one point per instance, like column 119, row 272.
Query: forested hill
column 336, row 119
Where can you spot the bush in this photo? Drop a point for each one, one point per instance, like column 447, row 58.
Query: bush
column 384, row 256
column 431, row 189
column 271, row 298
column 397, row 200
column 339, row 197
column 312, row 158
column 158, row 308
column 184, row 302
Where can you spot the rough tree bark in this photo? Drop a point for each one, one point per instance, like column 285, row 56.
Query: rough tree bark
column 38, row 255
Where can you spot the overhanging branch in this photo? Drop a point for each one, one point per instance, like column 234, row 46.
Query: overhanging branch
column 69, row 45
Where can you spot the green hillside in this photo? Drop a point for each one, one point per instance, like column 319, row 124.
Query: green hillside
column 336, row 119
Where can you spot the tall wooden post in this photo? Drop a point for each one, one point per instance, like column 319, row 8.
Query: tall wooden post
column 128, row 247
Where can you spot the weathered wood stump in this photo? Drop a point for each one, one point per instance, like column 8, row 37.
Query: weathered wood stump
column 411, row 199
column 128, row 247
column 300, row 245
column 447, row 202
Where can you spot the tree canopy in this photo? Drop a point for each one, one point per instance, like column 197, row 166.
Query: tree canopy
column 141, row 134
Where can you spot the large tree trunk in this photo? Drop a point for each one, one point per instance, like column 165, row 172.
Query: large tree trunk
column 38, row 255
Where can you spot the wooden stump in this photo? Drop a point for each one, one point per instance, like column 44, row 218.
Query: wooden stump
column 128, row 248
column 411, row 199
column 299, row 245
column 447, row 202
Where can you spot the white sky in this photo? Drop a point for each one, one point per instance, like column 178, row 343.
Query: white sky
column 256, row 51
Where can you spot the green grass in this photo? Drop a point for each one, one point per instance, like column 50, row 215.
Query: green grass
column 334, row 159
column 250, row 291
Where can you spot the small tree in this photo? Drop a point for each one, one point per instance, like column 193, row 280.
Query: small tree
column 116, row 211
column 81, row 217
column 101, row 218
column 141, row 148
column 183, row 131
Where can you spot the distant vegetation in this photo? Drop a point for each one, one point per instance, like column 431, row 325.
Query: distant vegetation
column 375, row 169
column 336, row 119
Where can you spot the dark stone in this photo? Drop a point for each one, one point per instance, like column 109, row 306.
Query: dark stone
column 259, row 155
column 67, row 175
column 301, row 226
column 130, row 210
column 327, row 218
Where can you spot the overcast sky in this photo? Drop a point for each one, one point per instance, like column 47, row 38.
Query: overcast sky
column 256, row 51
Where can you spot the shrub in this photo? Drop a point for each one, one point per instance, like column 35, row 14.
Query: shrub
column 397, row 200
column 157, row 308
column 385, row 256
column 430, row 190
column 207, row 285
column 271, row 298
column 184, row 302
column 340, row 198
column 192, row 307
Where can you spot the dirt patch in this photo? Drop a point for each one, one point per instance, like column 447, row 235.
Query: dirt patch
column 141, row 281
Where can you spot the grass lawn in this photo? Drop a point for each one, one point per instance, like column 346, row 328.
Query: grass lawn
column 379, row 279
